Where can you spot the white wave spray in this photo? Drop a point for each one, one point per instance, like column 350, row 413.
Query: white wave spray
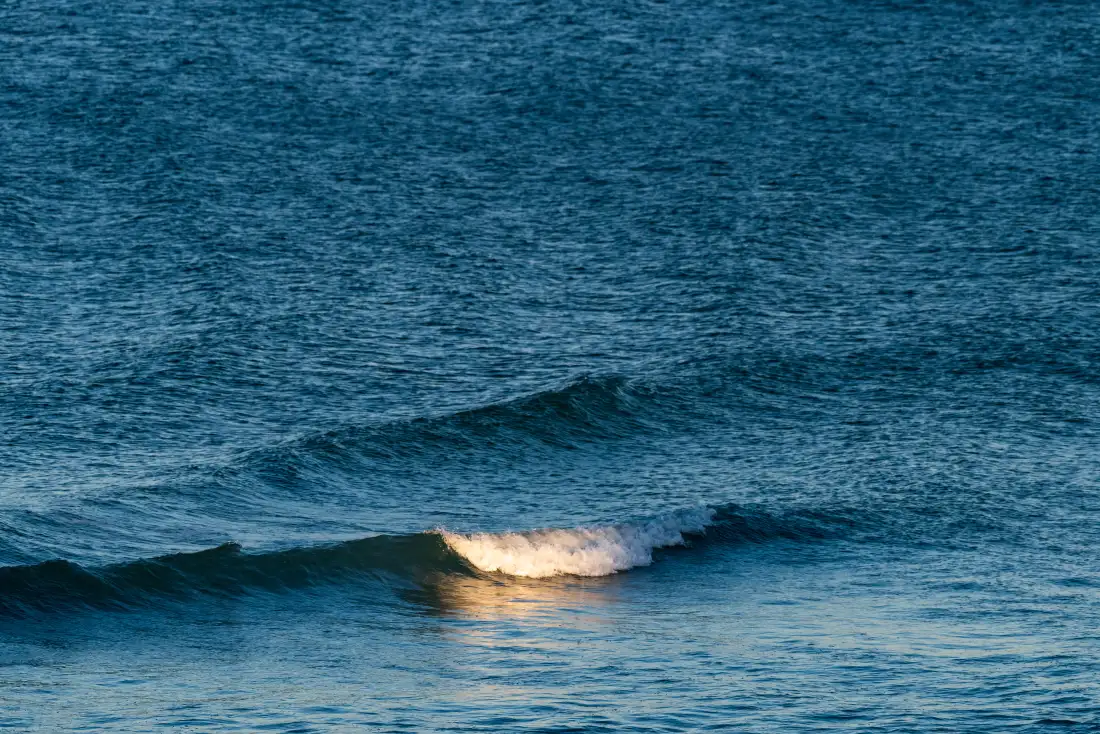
column 584, row 551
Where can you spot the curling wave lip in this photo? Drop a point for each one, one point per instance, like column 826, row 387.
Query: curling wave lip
column 585, row 551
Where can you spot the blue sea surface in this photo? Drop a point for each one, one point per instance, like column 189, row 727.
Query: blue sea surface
column 550, row 366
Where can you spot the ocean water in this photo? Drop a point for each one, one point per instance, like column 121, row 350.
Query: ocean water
column 549, row 366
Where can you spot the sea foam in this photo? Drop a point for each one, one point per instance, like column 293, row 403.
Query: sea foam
column 585, row 551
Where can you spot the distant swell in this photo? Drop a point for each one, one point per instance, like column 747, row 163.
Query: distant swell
column 227, row 571
column 585, row 410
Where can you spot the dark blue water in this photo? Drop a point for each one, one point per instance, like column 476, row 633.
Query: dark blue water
column 549, row 366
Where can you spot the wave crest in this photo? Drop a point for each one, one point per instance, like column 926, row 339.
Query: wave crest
column 584, row 551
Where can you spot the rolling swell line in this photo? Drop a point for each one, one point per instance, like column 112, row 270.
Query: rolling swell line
column 228, row 572
column 588, row 410
column 585, row 408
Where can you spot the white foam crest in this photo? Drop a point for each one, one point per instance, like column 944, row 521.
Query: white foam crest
column 584, row 551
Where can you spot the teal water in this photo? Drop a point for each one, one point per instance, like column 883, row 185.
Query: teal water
column 549, row 367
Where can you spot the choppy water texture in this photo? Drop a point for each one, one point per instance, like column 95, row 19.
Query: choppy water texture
column 549, row 366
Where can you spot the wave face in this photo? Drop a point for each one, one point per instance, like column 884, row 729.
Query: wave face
column 227, row 571
column 586, row 551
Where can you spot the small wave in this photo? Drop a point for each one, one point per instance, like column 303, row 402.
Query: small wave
column 586, row 551
column 228, row 571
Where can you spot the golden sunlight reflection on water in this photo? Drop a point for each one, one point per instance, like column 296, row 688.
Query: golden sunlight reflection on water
column 513, row 599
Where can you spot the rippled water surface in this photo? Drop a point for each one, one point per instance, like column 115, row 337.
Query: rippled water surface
column 549, row 366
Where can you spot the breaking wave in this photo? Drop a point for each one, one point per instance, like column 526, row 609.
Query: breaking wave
column 228, row 571
column 586, row 551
